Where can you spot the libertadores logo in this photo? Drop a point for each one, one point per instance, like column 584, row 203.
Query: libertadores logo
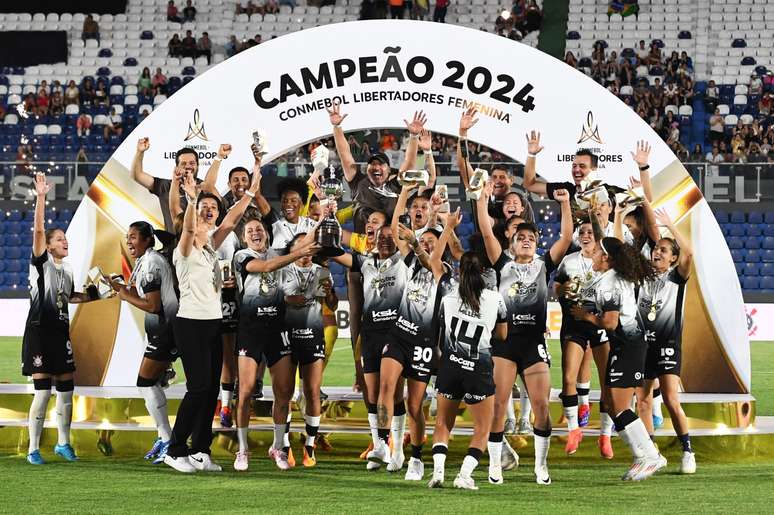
column 589, row 131
column 196, row 128
column 752, row 326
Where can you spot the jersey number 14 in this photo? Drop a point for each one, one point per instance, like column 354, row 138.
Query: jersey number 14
column 460, row 338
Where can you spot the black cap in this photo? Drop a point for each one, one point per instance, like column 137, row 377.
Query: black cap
column 382, row 158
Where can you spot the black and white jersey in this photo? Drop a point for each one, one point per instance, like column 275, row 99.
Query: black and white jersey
column 152, row 272
column 304, row 281
column 419, row 303
column 260, row 292
column 468, row 334
column 578, row 268
column 51, row 286
column 524, row 288
column 661, row 305
column 384, row 281
column 613, row 293
column 283, row 231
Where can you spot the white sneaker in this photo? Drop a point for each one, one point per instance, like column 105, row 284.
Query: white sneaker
column 433, row 406
column 280, row 458
column 202, row 461
column 524, row 427
column 495, row 475
column 510, row 426
column 415, row 470
column 396, row 462
column 181, row 464
column 541, row 475
column 373, row 465
column 688, row 465
column 240, row 463
column 464, row 482
column 508, row 457
column 437, row 480
column 380, row 454
column 634, row 469
column 649, row 467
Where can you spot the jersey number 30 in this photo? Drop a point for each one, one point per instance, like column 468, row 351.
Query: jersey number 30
column 460, row 338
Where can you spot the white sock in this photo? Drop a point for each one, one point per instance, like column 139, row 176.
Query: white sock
column 156, row 404
column 279, row 437
column 286, row 435
column 571, row 414
column 526, row 407
column 657, row 402
column 64, row 415
column 583, row 399
column 313, row 424
column 439, row 460
column 636, row 437
column 398, row 429
column 372, row 423
column 242, row 436
column 225, row 397
column 605, row 424
column 469, row 464
column 37, row 417
column 542, row 443
column 510, row 413
column 495, row 450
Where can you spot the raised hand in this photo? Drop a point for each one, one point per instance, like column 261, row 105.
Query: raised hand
column 190, row 187
column 425, row 140
column 42, row 186
column 641, row 154
column 454, row 219
column 256, row 155
column 662, row 217
column 562, row 195
column 406, row 234
column 634, row 182
column 417, row 124
column 224, row 150
column 533, row 142
column 143, row 144
column 468, row 120
column 334, row 114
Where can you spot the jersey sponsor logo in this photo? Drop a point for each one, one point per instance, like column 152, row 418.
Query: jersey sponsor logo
column 304, row 333
column 475, row 397
column 384, row 315
column 243, row 352
column 464, row 363
column 266, row 311
column 650, row 336
column 407, row 326
column 638, row 375
column 523, row 319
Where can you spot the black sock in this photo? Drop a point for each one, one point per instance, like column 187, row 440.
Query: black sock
column 656, row 392
column 384, row 434
column 569, row 400
column 685, row 440
column 475, row 453
column 399, row 409
column 440, row 449
column 496, row 437
column 416, row 451
column 582, row 391
column 227, row 387
column 623, row 419
column 371, row 408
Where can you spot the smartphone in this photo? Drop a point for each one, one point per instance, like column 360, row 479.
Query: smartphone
column 405, row 219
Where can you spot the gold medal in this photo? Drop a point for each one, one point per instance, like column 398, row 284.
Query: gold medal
column 264, row 287
column 652, row 314
column 59, row 303
column 514, row 289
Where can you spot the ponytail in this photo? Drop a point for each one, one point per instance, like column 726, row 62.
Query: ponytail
column 471, row 281
column 627, row 261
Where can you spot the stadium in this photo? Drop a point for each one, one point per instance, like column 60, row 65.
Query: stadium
column 386, row 254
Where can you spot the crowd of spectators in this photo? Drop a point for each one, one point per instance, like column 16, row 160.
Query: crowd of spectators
column 188, row 14
column 400, row 9
column 523, row 17
column 190, row 47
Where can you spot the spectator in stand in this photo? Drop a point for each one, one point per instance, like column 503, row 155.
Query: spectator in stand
column 686, row 92
column 90, row 29
column 175, row 46
column 41, row 103
column 87, row 91
column 673, row 137
column 291, row 3
column 145, row 83
column 271, row 7
column 396, row 9
column 72, row 94
column 764, row 104
column 697, row 156
column 114, row 125
column 441, row 6
column 714, row 156
column 532, row 18
column 396, row 155
column 642, row 51
column 2, row 112
column 81, row 156
column 570, row 60
column 101, row 95
column 671, row 93
column 172, row 14
column 386, row 141
column 204, row 47
column 232, row 46
column 756, row 85
column 188, row 45
column 143, row 115
column 83, row 125
column 189, row 12
column 717, row 127
column 159, row 82
column 419, row 9
column 56, row 105
column 711, row 96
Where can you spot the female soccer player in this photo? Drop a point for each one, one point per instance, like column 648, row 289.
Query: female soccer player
column 197, row 325
column 260, row 333
column 523, row 284
column 46, row 349
column 469, row 316
column 151, row 288
column 576, row 278
column 623, row 268
column 305, row 286
column 661, row 310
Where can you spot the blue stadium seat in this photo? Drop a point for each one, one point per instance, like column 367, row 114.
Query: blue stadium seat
column 739, row 269
column 14, row 215
column 737, row 217
column 768, row 229
column 752, row 269
column 737, row 243
column 14, row 265
column 768, row 242
column 736, row 229
column 767, row 282
column 767, row 256
column 766, row 269
column 750, row 283
column 769, row 217
column 737, row 256
column 753, row 242
column 13, row 252
column 753, row 229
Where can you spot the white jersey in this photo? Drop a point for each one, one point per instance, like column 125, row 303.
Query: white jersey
column 466, row 333
column 613, row 293
column 283, row 231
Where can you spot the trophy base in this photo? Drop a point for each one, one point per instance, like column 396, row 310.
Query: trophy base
column 330, row 251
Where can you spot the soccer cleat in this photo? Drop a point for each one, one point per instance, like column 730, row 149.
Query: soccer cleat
column 202, row 461
column 496, row 475
column 240, row 463
column 649, row 467
column 364, row 454
column 634, row 469
column 415, row 470
column 154, row 451
column 508, row 457
column 162, row 453
column 688, row 463
column 605, row 447
column 291, row 458
column 323, row 443
column 225, row 417
column 280, row 458
column 573, row 441
column 323, row 395
column 380, row 454
column 66, row 451
column 309, row 461
column 583, row 415
column 464, row 482
column 258, row 393
column 658, row 421
column 510, row 426
column 34, row 458
column 436, row 481
column 433, row 411
column 524, row 427
column 396, row 461
column 181, row 464
column 541, row 475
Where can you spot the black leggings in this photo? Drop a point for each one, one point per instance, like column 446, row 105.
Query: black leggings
column 201, row 351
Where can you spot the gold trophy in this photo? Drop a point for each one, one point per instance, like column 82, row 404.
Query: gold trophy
column 631, row 198
column 97, row 284
column 476, row 184
column 260, row 142
column 411, row 177
column 572, row 290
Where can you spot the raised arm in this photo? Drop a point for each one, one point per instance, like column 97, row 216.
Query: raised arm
column 260, row 201
column 640, row 156
column 686, row 250
column 344, row 259
column 175, row 206
column 436, row 261
column 42, row 188
column 186, row 242
column 426, row 146
column 277, row 262
column 342, row 145
column 415, row 127
column 467, row 121
column 235, row 213
column 618, row 218
column 492, row 245
column 400, row 208
column 560, row 246
column 210, row 180
column 138, row 174
column 530, row 176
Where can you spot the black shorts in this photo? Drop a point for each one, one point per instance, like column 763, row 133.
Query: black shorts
column 306, row 345
column 255, row 337
column 461, row 378
column 664, row 357
column 625, row 364
column 419, row 361
column 47, row 351
column 523, row 349
column 584, row 334
column 372, row 344
column 161, row 347
column 230, row 321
